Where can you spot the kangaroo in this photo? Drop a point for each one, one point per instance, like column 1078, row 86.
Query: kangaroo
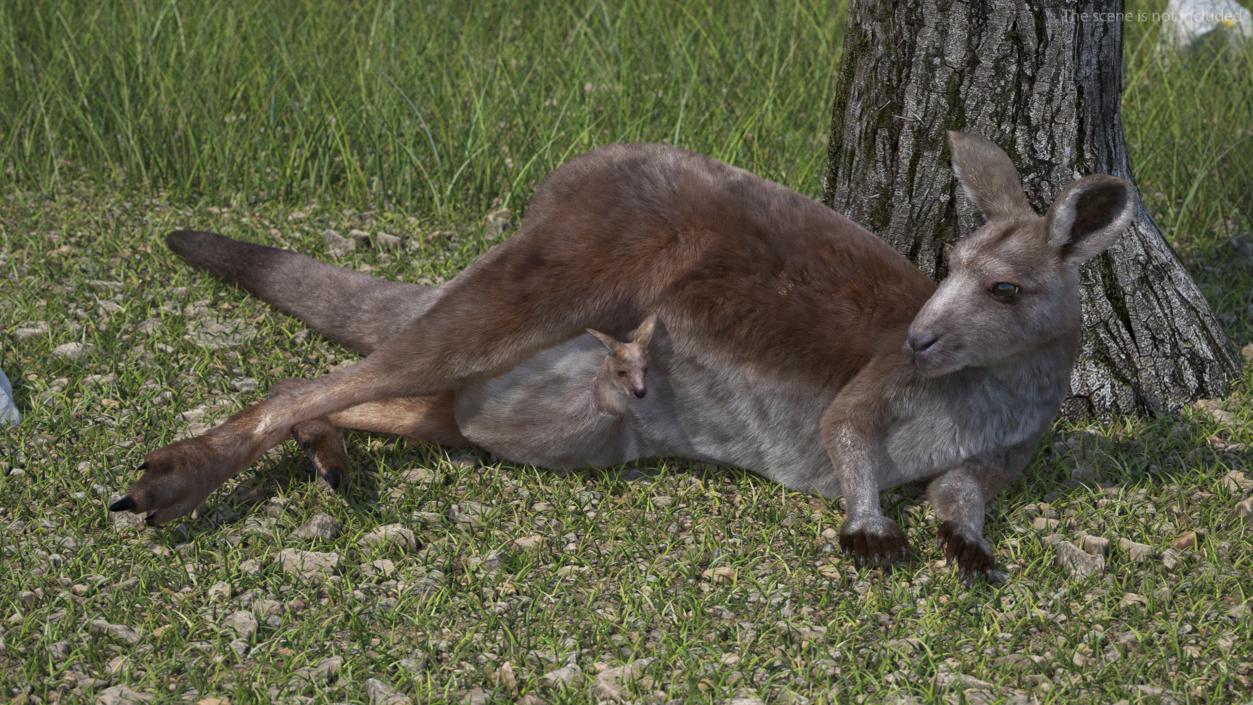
column 799, row 345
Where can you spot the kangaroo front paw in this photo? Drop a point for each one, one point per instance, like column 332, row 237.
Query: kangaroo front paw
column 877, row 540
column 176, row 479
column 969, row 550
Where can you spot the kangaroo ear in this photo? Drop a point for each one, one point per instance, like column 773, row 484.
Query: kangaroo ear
column 987, row 176
column 607, row 340
column 1089, row 216
column 640, row 336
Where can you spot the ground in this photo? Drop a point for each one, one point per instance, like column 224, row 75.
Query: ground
column 405, row 141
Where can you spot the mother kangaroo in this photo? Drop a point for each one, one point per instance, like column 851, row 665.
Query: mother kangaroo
column 794, row 342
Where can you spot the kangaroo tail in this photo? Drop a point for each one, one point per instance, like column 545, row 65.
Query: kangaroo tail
column 348, row 307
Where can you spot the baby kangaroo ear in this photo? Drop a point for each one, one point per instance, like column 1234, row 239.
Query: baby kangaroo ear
column 607, row 340
column 640, row 336
column 987, row 176
column 1089, row 216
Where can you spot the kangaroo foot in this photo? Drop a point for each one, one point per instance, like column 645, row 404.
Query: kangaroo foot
column 876, row 540
column 972, row 554
column 324, row 446
column 176, row 479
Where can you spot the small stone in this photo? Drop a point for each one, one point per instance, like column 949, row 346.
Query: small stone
column 1213, row 408
column 527, row 543
column 1044, row 524
column 662, row 501
column 321, row 527
column 611, row 683
column 379, row 693
column 337, row 244
column 498, row 221
column 475, row 696
column 37, row 328
column 240, row 647
column 58, row 651
column 359, row 236
column 470, row 513
column 383, row 567
column 243, row 623
column 121, row 695
column 70, row 351
column 1076, row 563
column 719, row 574
column 1244, row 508
column 219, row 591
column 309, row 565
column 418, row 476
column 387, row 241
column 1186, row 542
column 530, row 699
column 1137, row 552
column 1237, row 482
column 117, row 631
column 1096, row 545
column 392, row 535
column 1247, row 352
column 1131, row 599
column 1171, row 558
column 126, row 521
column 568, row 675
column 505, row 677
column 243, row 384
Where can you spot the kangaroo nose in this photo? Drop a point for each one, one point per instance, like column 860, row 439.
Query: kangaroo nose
column 639, row 393
column 921, row 342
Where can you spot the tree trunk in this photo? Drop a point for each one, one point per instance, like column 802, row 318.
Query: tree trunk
column 1042, row 79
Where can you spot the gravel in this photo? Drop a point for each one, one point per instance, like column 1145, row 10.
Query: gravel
column 308, row 565
column 321, row 527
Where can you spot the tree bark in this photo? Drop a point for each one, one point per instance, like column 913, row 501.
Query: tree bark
column 1042, row 79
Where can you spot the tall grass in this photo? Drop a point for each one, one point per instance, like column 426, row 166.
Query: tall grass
column 435, row 107
column 443, row 107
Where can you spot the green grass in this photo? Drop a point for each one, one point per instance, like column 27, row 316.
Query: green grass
column 275, row 122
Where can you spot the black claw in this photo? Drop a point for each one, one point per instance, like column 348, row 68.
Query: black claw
column 143, row 465
column 151, row 520
column 124, row 504
column 333, row 477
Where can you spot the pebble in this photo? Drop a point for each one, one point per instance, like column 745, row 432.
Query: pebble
column 1137, row 552
column 379, row 693
column 1186, row 542
column 70, row 351
column 309, row 565
column 243, row 623
column 527, row 543
column 243, row 384
column 337, row 244
column 611, row 682
column 121, row 695
column 1077, row 563
column 321, row 527
column 418, row 476
column 476, row 696
column 1096, row 545
column 505, row 677
column 1213, row 408
column 220, row 590
column 1244, row 508
column 31, row 330
column 470, row 513
column 568, row 675
column 117, row 631
column 498, row 220
column 126, row 520
column 1247, row 352
column 1237, row 482
column 1171, row 558
column 1044, row 523
column 392, row 535
column 387, row 241
column 719, row 574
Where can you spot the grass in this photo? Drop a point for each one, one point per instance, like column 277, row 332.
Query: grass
column 277, row 121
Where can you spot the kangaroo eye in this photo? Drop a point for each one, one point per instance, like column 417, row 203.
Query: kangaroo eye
column 1004, row 292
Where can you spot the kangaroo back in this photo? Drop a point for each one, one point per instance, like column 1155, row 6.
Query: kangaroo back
column 351, row 308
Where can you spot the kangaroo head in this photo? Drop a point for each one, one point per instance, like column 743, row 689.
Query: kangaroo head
column 1013, row 284
column 627, row 363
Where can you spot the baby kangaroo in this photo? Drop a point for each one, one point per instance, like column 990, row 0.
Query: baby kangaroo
column 622, row 373
column 544, row 412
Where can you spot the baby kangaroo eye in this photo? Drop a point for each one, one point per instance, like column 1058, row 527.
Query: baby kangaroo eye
column 1004, row 292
